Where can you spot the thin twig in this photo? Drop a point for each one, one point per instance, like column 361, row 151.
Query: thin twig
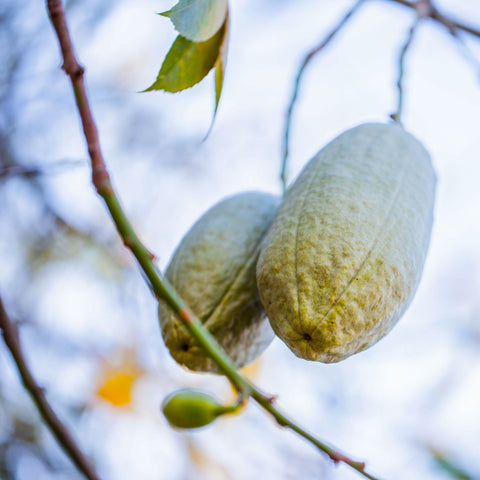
column 466, row 51
column 445, row 20
column 38, row 170
column 58, row 429
column 267, row 402
column 422, row 11
column 157, row 282
column 293, row 99
column 454, row 29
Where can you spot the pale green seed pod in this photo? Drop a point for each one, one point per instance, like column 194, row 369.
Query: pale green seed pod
column 344, row 256
column 213, row 270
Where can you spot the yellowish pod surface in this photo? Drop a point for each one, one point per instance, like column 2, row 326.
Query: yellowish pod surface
column 343, row 258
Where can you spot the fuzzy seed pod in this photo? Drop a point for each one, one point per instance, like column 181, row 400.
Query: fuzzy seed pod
column 343, row 258
column 213, row 270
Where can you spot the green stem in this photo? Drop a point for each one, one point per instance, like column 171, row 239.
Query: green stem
column 267, row 403
column 163, row 290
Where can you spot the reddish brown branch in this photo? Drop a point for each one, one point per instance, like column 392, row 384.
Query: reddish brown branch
column 100, row 176
column 58, row 429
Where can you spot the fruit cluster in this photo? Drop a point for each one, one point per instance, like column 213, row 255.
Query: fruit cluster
column 334, row 265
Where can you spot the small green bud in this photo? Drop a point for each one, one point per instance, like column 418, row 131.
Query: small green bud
column 193, row 409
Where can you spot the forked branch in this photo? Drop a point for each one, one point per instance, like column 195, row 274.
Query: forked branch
column 444, row 19
column 424, row 9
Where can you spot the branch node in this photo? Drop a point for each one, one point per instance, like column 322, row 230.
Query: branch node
column 77, row 71
column 186, row 315
column 128, row 242
column 152, row 256
column 271, row 399
column 424, row 8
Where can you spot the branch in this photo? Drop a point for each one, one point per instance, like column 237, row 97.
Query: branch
column 308, row 57
column 454, row 28
column 158, row 283
column 423, row 9
column 36, row 171
column 445, row 20
column 455, row 31
column 466, row 52
column 58, row 429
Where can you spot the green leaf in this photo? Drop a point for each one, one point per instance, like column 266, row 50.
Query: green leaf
column 198, row 20
column 187, row 63
column 220, row 66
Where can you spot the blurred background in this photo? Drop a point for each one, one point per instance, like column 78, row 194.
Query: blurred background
column 409, row 406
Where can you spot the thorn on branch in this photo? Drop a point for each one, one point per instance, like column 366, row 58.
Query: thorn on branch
column 152, row 256
column 186, row 315
column 128, row 242
column 271, row 399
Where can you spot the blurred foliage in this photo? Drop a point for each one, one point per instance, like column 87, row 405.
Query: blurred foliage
column 117, row 379
column 36, row 236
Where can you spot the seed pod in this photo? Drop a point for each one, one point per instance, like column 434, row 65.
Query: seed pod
column 213, row 270
column 343, row 258
column 193, row 409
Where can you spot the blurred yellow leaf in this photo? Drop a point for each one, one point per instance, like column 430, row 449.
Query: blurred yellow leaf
column 118, row 378
column 117, row 389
